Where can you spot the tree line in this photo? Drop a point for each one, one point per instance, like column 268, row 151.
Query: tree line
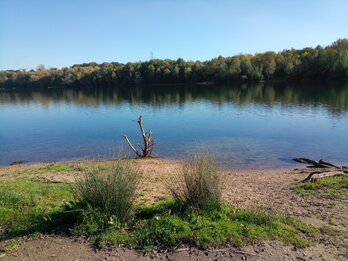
column 330, row 62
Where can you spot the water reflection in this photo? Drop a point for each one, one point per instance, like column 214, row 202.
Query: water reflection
column 332, row 96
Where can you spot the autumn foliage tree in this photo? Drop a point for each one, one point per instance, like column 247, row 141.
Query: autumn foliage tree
column 330, row 62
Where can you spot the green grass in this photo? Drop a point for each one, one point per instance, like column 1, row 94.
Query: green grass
column 330, row 186
column 28, row 205
column 33, row 206
column 169, row 224
column 49, row 167
column 57, row 167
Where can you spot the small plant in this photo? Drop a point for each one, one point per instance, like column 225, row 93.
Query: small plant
column 109, row 190
column 199, row 183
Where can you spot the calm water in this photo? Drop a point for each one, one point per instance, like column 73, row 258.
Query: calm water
column 248, row 126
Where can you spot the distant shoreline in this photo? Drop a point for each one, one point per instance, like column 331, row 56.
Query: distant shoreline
column 320, row 63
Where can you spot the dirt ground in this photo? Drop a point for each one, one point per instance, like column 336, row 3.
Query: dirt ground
column 267, row 191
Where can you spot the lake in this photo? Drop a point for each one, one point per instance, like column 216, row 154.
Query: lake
column 248, row 126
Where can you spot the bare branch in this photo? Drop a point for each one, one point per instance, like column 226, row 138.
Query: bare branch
column 131, row 146
column 328, row 164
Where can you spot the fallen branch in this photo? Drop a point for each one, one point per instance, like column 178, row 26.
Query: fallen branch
column 314, row 176
column 327, row 169
column 314, row 164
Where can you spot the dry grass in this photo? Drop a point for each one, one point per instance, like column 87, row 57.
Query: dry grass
column 199, row 182
column 109, row 189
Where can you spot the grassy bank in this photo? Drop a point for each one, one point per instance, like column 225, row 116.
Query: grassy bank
column 30, row 206
column 35, row 199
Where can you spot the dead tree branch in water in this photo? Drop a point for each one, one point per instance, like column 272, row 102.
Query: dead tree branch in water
column 148, row 142
column 325, row 169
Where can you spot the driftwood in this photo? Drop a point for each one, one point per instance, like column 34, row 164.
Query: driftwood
column 326, row 169
column 314, row 164
column 148, row 142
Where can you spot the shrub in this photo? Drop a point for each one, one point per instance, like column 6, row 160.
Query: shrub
column 199, row 183
column 109, row 190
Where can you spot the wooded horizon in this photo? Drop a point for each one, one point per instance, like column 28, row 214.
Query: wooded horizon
column 330, row 62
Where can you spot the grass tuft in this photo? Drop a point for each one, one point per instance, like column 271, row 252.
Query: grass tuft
column 199, row 182
column 109, row 190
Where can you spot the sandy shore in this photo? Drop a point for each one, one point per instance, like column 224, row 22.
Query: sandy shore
column 270, row 191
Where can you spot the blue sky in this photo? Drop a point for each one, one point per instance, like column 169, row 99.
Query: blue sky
column 66, row 32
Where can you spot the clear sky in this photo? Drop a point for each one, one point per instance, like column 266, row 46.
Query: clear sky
column 66, row 32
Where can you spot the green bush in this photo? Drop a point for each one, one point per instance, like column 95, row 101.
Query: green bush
column 109, row 190
column 199, row 182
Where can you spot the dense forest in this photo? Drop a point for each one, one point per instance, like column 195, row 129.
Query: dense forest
column 330, row 62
